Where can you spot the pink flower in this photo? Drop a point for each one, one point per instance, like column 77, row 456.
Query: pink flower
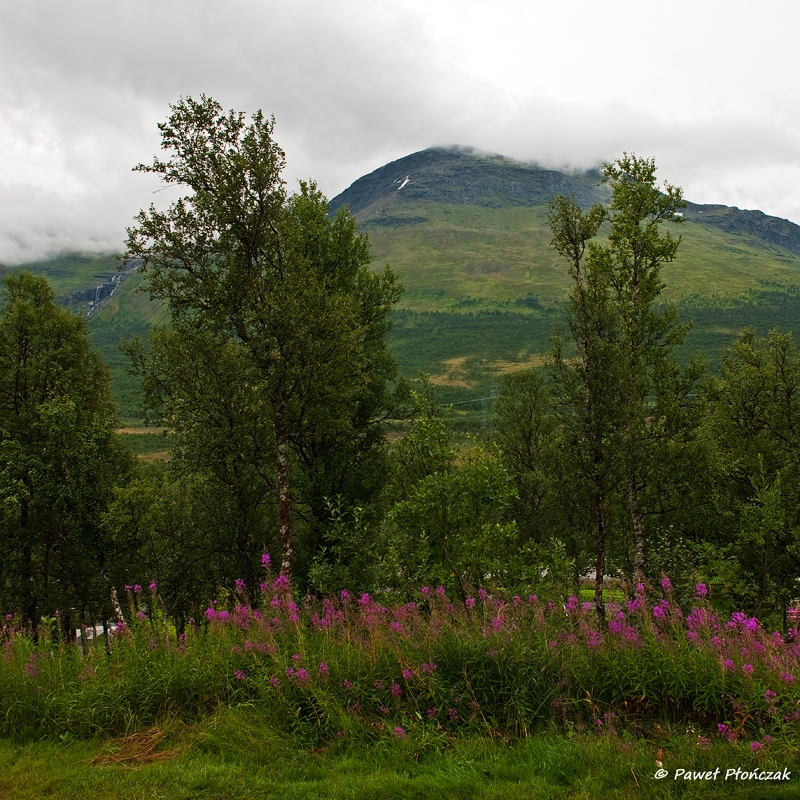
column 265, row 560
column 239, row 675
column 701, row 590
column 666, row 584
column 399, row 732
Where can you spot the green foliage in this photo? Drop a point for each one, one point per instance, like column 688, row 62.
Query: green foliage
column 447, row 523
column 284, row 288
column 58, row 457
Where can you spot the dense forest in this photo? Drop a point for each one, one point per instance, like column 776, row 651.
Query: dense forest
column 290, row 433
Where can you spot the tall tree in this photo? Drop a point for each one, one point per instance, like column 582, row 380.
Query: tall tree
column 286, row 284
column 622, row 388
column 631, row 263
column 59, row 460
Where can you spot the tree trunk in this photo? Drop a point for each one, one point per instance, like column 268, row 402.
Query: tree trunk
column 284, row 499
column 600, row 562
column 638, row 530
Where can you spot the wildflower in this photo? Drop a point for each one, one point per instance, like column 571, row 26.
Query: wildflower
column 658, row 612
column 182, row 637
column 378, row 685
column 431, row 713
column 452, row 713
column 263, row 587
column 210, row 613
column 281, row 582
column 323, row 670
column 140, row 615
column 274, row 682
column 239, row 675
column 639, row 588
column 152, row 586
column 571, row 604
column 787, row 677
column 482, row 594
column 516, row 599
column 429, row 668
column 266, row 561
column 425, row 591
column 470, row 602
column 440, row 591
column 532, row 598
column 748, row 668
column 491, row 653
column 303, row 675
column 666, row 584
column 383, row 710
column 408, row 674
column 344, row 595
column 769, row 695
column 347, row 685
column 137, row 589
column 703, row 742
column 586, row 606
column 399, row 733
column 241, row 586
column 755, row 747
column 396, row 690
column 728, row 665
column 236, row 649
column 701, row 590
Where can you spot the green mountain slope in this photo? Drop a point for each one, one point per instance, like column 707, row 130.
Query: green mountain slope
column 467, row 233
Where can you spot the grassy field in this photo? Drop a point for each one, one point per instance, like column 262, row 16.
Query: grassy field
column 236, row 754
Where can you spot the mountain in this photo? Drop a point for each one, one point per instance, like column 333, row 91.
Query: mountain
column 467, row 233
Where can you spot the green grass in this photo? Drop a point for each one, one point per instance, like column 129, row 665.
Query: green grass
column 236, row 754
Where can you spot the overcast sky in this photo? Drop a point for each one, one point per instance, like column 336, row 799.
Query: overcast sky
column 709, row 89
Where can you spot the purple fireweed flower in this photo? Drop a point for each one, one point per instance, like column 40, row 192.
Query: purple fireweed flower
column 571, row 604
column 586, row 606
column 399, row 732
column 239, row 675
column 30, row 669
column 532, row 598
column 639, row 588
column 408, row 674
column 153, row 586
column 633, row 605
column 266, row 561
column 482, row 594
column 787, row 677
column 182, row 637
column 658, row 612
column 396, row 690
column 440, row 591
column 378, row 685
column 297, row 657
column 755, row 746
column 701, row 590
column 347, row 685
column 128, row 588
column 666, row 584
column 140, row 615
column 263, row 587
column 365, row 599
column 516, row 599
column 431, row 713
column 223, row 616
column 275, row 682
column 210, row 613
column 452, row 713
column 497, row 623
column 425, row 591
column 302, row 675
column 236, row 649
column 137, row 589
column 383, row 710
column 323, row 670
column 240, row 585
column 280, row 583
column 344, row 595
column 429, row 668
column 748, row 668
column 703, row 742
column 769, row 695
column 9, row 617
column 728, row 665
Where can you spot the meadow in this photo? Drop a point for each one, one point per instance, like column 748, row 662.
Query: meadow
column 499, row 695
